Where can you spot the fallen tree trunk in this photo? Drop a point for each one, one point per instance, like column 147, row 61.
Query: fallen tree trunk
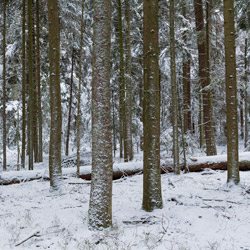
column 119, row 173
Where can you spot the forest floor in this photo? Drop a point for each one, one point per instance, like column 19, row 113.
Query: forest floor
column 200, row 212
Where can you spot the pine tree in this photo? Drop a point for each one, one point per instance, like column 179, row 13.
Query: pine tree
column 151, row 109
column 4, row 87
column 78, row 118
column 100, row 207
column 231, row 93
column 30, row 80
column 23, row 85
column 174, row 90
column 55, row 95
column 204, row 79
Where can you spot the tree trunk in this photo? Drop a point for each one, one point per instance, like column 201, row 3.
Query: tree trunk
column 231, row 93
column 30, row 80
column 78, row 139
column 204, row 79
column 128, row 82
column 55, row 96
column 23, row 86
column 70, row 103
column 38, row 78
column 246, row 99
column 100, row 207
column 122, row 115
column 174, row 91
column 4, row 87
column 152, row 197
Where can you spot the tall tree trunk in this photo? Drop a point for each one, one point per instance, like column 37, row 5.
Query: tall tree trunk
column 174, row 91
column 4, row 87
column 128, row 82
column 211, row 148
column 100, row 207
column 78, row 139
column 187, row 126
column 30, row 80
column 23, row 86
column 204, row 79
column 122, row 109
column 70, row 103
column 38, row 78
column 55, row 96
column 152, row 197
column 231, row 93
column 246, row 98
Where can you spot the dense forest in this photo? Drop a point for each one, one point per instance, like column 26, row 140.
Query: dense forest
column 120, row 79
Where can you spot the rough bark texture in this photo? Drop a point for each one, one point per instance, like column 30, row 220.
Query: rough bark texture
column 38, row 78
column 204, row 79
column 4, row 87
column 23, row 85
column 78, row 118
column 152, row 197
column 55, row 96
column 174, row 91
column 30, row 80
column 231, row 93
column 100, row 207
column 128, row 80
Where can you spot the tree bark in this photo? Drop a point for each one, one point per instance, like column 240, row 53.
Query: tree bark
column 38, row 78
column 100, row 207
column 231, row 93
column 152, row 197
column 70, row 103
column 4, row 87
column 23, row 85
column 246, row 98
column 55, row 96
column 78, row 139
column 128, row 81
column 122, row 109
column 204, row 79
column 30, row 80
column 174, row 91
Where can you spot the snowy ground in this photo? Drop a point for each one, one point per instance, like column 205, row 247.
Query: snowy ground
column 200, row 212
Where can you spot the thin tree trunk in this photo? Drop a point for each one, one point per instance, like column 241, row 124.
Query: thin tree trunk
column 30, row 79
column 4, row 87
column 231, row 93
column 100, row 206
column 174, row 91
column 55, row 96
column 78, row 139
column 122, row 114
column 38, row 78
column 70, row 104
column 211, row 147
column 246, row 98
column 23, row 86
column 152, row 197
column 128, row 81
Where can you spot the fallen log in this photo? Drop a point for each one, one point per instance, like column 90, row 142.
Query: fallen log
column 119, row 173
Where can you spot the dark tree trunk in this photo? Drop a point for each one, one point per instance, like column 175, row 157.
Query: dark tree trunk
column 152, row 197
column 70, row 103
column 55, row 96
